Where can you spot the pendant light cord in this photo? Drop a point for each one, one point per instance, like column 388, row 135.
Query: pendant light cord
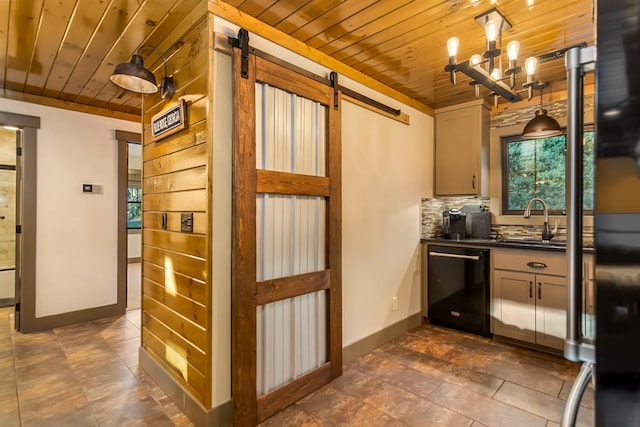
column 541, row 105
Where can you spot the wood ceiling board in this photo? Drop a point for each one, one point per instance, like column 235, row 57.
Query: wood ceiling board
column 397, row 35
column 55, row 19
column 256, row 7
column 350, row 28
column 114, row 22
column 281, row 10
column 23, row 29
column 331, row 17
column 87, row 15
column 137, row 33
column 4, row 36
column 305, row 14
column 376, row 26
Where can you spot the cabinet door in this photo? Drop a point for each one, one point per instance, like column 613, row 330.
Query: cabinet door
column 513, row 305
column 588, row 307
column 551, row 311
column 457, row 150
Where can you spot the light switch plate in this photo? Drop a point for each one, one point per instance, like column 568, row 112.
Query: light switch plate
column 186, row 222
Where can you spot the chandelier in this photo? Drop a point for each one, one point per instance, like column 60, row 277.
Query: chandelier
column 486, row 69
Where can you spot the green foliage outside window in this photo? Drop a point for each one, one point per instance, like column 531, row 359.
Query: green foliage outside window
column 536, row 168
column 134, row 208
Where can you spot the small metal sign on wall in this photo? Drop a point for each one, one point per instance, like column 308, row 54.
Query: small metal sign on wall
column 169, row 121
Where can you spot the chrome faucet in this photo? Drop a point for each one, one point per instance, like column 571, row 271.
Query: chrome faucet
column 546, row 234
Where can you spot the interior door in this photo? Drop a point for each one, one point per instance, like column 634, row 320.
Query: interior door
column 8, row 202
column 286, row 290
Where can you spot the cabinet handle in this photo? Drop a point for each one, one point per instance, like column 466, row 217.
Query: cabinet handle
column 539, row 290
column 530, row 289
column 473, row 182
column 535, row 264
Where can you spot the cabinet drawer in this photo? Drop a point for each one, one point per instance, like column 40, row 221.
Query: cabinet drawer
column 537, row 262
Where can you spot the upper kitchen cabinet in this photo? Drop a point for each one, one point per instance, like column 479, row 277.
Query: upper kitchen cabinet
column 462, row 150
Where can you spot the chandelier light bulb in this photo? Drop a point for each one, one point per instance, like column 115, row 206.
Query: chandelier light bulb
column 530, row 65
column 452, row 46
column 491, row 30
column 513, row 47
column 475, row 59
column 496, row 74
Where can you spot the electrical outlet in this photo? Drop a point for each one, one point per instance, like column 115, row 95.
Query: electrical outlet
column 394, row 303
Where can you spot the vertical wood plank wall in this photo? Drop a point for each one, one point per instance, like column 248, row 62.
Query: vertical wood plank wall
column 176, row 312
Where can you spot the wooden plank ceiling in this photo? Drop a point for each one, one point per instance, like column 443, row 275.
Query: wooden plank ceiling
column 66, row 49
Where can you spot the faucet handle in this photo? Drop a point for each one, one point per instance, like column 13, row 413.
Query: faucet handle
column 555, row 227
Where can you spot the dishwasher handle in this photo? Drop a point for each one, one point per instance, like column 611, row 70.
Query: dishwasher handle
column 446, row 255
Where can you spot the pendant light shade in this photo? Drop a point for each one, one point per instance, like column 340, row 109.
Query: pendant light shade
column 541, row 126
column 135, row 77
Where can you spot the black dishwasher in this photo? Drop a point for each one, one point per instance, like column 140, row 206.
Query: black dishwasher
column 458, row 288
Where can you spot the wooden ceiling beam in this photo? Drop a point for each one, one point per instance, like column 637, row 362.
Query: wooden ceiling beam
column 67, row 105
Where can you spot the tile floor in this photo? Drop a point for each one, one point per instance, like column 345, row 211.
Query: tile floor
column 134, row 287
column 88, row 375
column 80, row 375
column 434, row 376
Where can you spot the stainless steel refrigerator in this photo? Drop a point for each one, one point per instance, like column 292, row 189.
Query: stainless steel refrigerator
column 615, row 355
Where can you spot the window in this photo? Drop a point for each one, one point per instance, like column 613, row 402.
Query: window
column 134, row 200
column 536, row 168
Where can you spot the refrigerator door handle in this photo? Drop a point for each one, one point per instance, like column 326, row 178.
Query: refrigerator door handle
column 570, row 413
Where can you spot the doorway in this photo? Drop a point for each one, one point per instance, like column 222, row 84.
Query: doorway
column 9, row 139
column 134, row 225
column 129, row 219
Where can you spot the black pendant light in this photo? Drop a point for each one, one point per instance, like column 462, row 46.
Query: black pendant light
column 542, row 125
column 135, row 77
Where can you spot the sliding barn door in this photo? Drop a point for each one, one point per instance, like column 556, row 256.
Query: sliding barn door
column 286, row 297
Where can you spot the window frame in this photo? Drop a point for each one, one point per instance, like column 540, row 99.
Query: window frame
column 504, row 197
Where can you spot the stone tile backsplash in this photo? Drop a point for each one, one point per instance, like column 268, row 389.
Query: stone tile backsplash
column 432, row 208
column 431, row 217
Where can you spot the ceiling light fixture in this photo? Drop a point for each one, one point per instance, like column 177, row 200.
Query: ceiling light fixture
column 542, row 125
column 493, row 76
column 134, row 77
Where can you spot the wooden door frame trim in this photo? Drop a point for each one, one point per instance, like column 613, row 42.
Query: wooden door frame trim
column 123, row 138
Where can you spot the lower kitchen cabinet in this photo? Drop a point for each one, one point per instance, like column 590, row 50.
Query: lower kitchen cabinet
column 514, row 310
column 526, row 305
column 551, row 311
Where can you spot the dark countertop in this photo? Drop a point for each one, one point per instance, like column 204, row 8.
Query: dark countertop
column 556, row 246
